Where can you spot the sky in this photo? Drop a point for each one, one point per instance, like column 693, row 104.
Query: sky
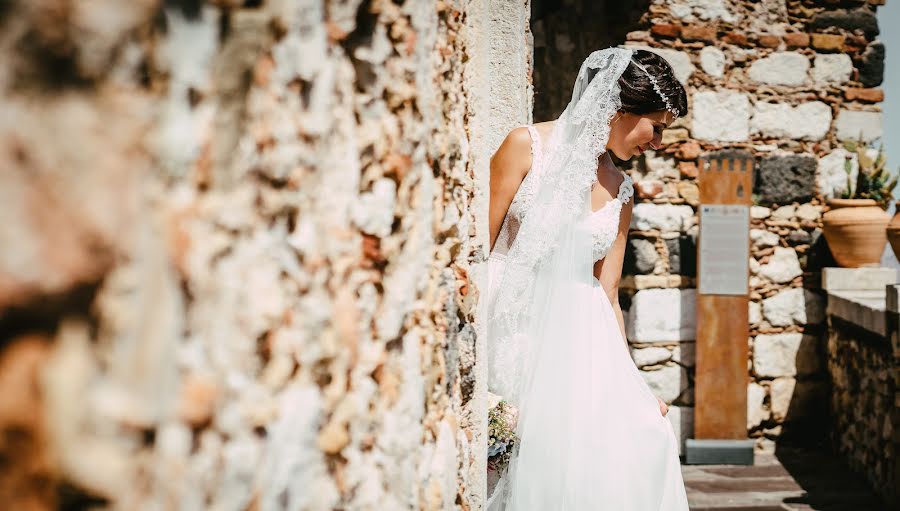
column 889, row 16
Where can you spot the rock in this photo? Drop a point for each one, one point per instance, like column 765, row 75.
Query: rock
column 645, row 254
column 782, row 267
column 799, row 237
column 722, row 116
column 754, row 266
column 666, row 383
column 664, row 217
column 707, row 10
column 198, row 400
column 786, row 178
column 374, row 211
column 834, row 68
column 864, row 95
column 662, row 315
column 833, row 179
column 861, row 19
column 806, row 121
column 828, row 42
column 852, row 123
column 685, row 354
column 781, row 68
column 808, row 211
column 690, row 192
column 682, row 255
column 756, row 414
column 775, row 354
column 649, row 188
column 762, row 238
column 712, row 61
column 659, row 166
column 688, row 151
column 760, row 212
column 871, row 65
column 699, row 33
column 784, row 213
column 796, row 40
column 781, row 392
column 650, row 356
column 688, row 169
column 674, row 135
column 794, row 305
column 755, row 313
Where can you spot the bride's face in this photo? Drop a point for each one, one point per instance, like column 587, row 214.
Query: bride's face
column 632, row 134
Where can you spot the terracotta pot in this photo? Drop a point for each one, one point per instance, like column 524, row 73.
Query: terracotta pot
column 856, row 231
column 893, row 231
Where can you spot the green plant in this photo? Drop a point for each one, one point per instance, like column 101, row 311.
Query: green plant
column 874, row 180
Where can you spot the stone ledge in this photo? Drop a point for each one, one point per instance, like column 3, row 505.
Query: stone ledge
column 861, row 295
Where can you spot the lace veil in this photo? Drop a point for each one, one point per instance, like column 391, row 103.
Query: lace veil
column 541, row 300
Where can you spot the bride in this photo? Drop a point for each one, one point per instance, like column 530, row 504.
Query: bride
column 591, row 434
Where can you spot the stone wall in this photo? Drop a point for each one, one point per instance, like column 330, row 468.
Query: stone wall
column 782, row 82
column 237, row 252
column 865, row 416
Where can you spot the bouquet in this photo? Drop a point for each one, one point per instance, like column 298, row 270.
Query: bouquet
column 501, row 432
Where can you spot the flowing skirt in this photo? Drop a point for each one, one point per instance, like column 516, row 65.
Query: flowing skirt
column 617, row 451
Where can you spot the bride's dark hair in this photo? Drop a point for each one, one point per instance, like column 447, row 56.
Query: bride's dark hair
column 637, row 92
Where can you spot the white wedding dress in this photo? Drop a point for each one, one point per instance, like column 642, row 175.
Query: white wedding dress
column 625, row 454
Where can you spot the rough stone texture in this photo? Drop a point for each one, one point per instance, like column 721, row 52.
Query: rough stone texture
column 722, row 116
column 706, row 10
column 786, row 178
column 861, row 19
column 852, row 124
column 833, row 68
column 871, row 65
column 762, row 238
column 666, row 383
column 783, row 266
column 664, row 217
column 658, row 315
column 794, row 305
column 756, row 413
column 775, row 355
column 645, row 254
column 864, row 371
column 245, row 234
column 650, row 356
column 780, row 393
column 806, row 121
column 781, row 68
column 832, row 176
column 712, row 60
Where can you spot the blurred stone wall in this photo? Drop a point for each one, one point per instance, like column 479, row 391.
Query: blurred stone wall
column 783, row 82
column 237, row 241
column 865, row 422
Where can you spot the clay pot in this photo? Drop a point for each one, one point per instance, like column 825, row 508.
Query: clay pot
column 855, row 230
column 893, row 231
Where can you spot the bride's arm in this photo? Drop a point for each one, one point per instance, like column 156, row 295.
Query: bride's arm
column 508, row 168
column 609, row 269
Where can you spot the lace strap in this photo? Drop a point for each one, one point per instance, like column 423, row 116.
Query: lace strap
column 536, row 149
column 626, row 190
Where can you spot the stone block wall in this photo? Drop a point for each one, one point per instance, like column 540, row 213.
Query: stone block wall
column 236, row 256
column 784, row 83
column 864, row 369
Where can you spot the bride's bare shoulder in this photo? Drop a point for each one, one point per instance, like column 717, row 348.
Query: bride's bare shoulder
column 514, row 154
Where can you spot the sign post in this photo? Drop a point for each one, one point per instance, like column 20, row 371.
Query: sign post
column 720, row 382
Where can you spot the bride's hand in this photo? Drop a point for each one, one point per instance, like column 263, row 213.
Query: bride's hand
column 663, row 409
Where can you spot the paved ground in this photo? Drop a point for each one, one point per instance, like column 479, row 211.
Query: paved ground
column 792, row 479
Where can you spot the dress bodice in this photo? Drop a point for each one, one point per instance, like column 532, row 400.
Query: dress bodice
column 602, row 224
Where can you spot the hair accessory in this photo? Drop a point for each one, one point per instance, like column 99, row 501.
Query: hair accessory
column 659, row 91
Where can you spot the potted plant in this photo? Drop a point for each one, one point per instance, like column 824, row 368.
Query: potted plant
column 855, row 224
